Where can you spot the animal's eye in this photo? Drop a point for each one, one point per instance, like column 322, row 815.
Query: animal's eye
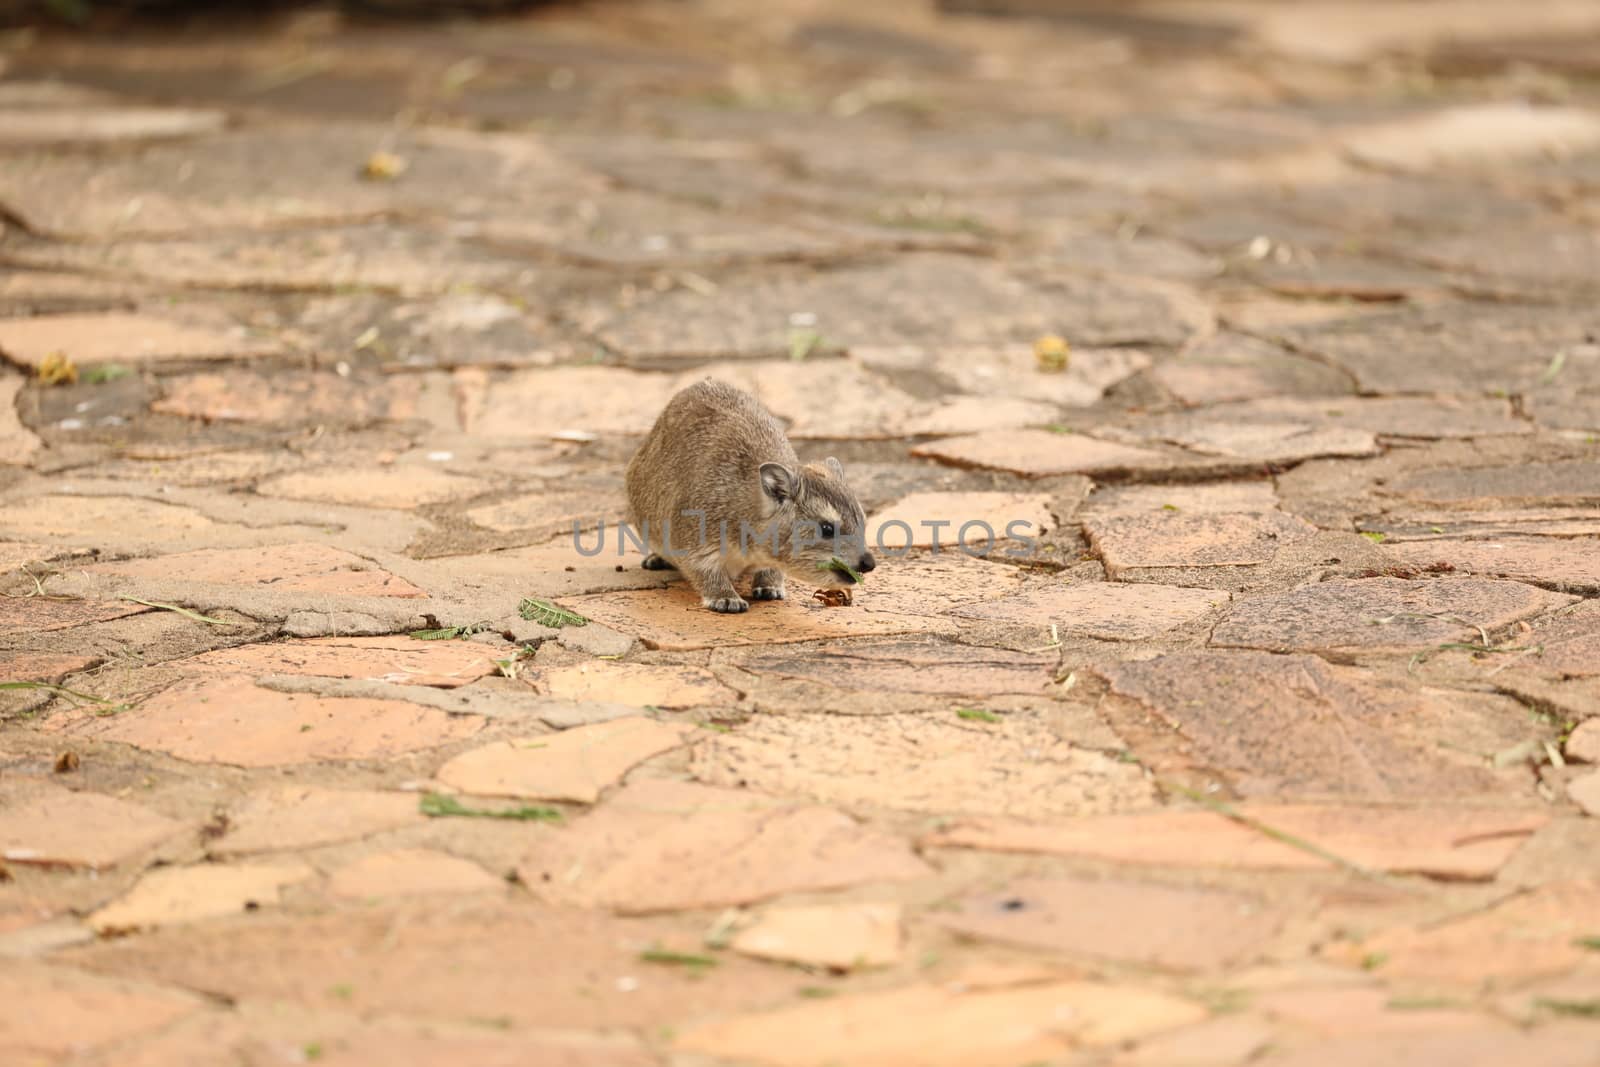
column 827, row 529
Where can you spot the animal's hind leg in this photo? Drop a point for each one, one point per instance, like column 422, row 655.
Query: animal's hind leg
column 711, row 580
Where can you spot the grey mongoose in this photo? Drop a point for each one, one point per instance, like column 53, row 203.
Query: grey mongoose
column 716, row 491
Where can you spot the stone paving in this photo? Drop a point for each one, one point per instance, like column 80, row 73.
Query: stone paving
column 1278, row 746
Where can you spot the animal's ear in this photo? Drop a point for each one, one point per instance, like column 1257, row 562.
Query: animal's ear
column 778, row 481
column 834, row 467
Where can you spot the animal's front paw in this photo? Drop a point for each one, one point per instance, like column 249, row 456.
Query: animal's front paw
column 653, row 562
column 767, row 592
column 727, row 605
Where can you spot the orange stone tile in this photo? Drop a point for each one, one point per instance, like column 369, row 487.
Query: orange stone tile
column 171, row 895
column 232, row 720
column 48, row 826
column 841, row 937
column 53, row 1011
column 1040, row 453
column 23, row 615
column 295, row 568
column 299, row 816
column 657, row 685
column 399, row 660
column 121, row 337
column 659, row 845
column 574, row 764
column 406, row 871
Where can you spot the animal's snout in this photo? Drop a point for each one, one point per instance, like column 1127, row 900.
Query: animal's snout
column 866, row 563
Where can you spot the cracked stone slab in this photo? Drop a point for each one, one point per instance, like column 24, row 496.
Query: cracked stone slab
column 401, row 488
column 673, row 619
column 25, row 615
column 54, row 1012
column 936, row 583
column 940, row 516
column 17, row 442
column 301, row 817
column 69, row 125
column 537, row 404
column 398, row 660
column 247, row 396
column 1428, row 418
column 1468, row 349
column 1296, row 726
column 460, row 964
column 640, row 684
column 1231, row 367
column 1466, row 843
column 173, row 895
column 556, row 512
column 1010, row 371
column 1432, row 525
column 1277, row 442
column 1174, row 539
column 379, row 256
column 922, row 299
column 1554, row 255
column 1525, row 936
column 944, row 1026
column 843, row 937
column 256, row 178
column 923, row 763
column 1380, row 614
column 49, row 667
column 124, row 337
column 303, row 567
column 1042, row 453
column 1571, row 565
column 1481, row 134
column 1565, row 411
column 573, row 765
column 407, row 871
column 1571, row 483
column 1172, row 927
column 44, row 825
column 1108, row 611
column 906, row 665
column 233, row 721
column 1198, row 498
column 659, row 845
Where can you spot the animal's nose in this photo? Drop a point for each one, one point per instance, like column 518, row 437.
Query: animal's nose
column 866, row 563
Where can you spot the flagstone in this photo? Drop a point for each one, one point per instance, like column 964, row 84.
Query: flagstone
column 1457, row 844
column 17, row 442
column 52, row 1012
column 403, row 488
column 410, row 870
column 1042, row 453
column 934, row 762
column 245, row 396
column 941, row 516
column 231, row 720
column 674, row 619
column 936, row 1026
column 659, row 845
column 1172, row 927
column 302, row 817
column 171, row 895
column 642, row 684
column 1380, row 614
column 44, row 825
column 573, row 764
column 1173, row 539
column 302, row 567
column 1105, row 610
column 1572, row 565
column 50, row 667
column 121, row 337
column 840, row 937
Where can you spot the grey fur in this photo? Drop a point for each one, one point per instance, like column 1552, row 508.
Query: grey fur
column 717, row 451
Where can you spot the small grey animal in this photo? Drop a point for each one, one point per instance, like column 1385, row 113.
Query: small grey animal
column 716, row 491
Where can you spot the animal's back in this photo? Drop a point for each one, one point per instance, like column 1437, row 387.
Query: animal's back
column 704, row 454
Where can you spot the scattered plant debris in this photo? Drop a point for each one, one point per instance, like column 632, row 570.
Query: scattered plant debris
column 437, row 805
column 545, row 613
column 693, row 961
column 101, row 705
column 834, row 598
column 185, row 612
column 57, row 369
column 67, row 762
column 383, row 167
column 977, row 715
column 1576, row 1009
column 450, row 633
column 1374, row 536
column 1052, row 353
column 105, row 372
